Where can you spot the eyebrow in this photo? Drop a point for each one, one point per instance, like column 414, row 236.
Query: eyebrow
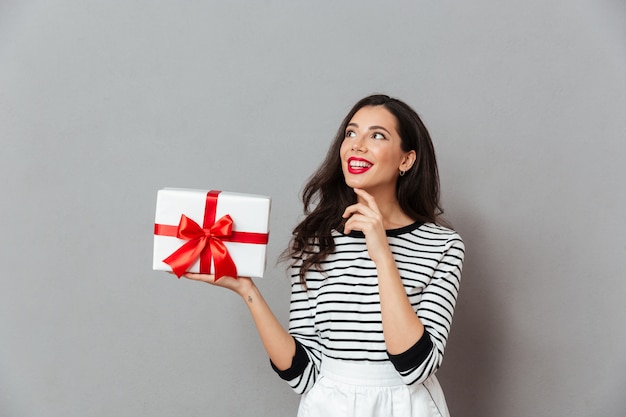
column 371, row 127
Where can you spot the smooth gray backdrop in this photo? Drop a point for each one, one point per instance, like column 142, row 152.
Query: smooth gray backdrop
column 104, row 102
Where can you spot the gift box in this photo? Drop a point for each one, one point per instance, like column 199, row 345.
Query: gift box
column 213, row 232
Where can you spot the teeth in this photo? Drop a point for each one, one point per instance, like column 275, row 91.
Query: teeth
column 360, row 164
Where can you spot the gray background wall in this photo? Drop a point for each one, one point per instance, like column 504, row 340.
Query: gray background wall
column 102, row 103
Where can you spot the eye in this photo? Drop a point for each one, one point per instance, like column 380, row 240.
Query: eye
column 378, row 135
column 350, row 133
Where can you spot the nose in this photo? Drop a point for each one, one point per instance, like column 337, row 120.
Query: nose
column 358, row 144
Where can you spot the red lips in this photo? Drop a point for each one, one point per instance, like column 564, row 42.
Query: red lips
column 358, row 165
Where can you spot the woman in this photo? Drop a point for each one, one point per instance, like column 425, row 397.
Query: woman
column 374, row 275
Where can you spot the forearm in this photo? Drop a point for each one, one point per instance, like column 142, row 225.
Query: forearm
column 402, row 328
column 278, row 343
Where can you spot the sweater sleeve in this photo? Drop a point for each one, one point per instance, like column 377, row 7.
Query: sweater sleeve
column 299, row 364
column 306, row 363
column 435, row 310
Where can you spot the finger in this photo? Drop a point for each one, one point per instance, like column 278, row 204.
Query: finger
column 349, row 225
column 368, row 198
column 350, row 210
column 359, row 222
column 200, row 277
column 358, row 208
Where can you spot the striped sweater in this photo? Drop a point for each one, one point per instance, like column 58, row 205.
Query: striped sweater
column 339, row 316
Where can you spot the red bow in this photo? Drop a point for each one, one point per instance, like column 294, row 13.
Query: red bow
column 197, row 241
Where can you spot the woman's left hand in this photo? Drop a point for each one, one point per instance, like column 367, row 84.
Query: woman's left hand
column 366, row 217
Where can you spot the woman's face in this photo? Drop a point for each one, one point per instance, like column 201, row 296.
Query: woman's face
column 371, row 152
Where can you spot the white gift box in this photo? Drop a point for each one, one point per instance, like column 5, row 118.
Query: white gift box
column 250, row 223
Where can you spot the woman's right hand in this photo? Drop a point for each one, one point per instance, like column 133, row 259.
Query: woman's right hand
column 239, row 285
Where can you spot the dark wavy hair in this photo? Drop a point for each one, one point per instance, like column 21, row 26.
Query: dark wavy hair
column 326, row 195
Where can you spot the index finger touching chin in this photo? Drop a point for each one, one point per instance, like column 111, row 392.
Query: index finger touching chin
column 367, row 197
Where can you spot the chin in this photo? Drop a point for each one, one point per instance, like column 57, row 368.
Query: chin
column 354, row 184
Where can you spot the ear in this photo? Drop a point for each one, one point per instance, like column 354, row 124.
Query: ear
column 407, row 161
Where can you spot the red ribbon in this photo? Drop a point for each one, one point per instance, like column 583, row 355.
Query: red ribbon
column 206, row 242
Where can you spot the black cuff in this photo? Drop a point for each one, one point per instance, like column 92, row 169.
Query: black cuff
column 414, row 356
column 298, row 364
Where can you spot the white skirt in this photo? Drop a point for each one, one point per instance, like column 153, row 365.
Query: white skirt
column 347, row 389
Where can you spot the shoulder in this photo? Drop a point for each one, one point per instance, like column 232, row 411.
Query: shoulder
column 452, row 245
column 439, row 231
column 434, row 236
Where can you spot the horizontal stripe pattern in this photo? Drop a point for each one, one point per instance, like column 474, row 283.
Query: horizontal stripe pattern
column 338, row 316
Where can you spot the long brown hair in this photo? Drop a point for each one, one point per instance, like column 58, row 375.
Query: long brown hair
column 326, row 195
